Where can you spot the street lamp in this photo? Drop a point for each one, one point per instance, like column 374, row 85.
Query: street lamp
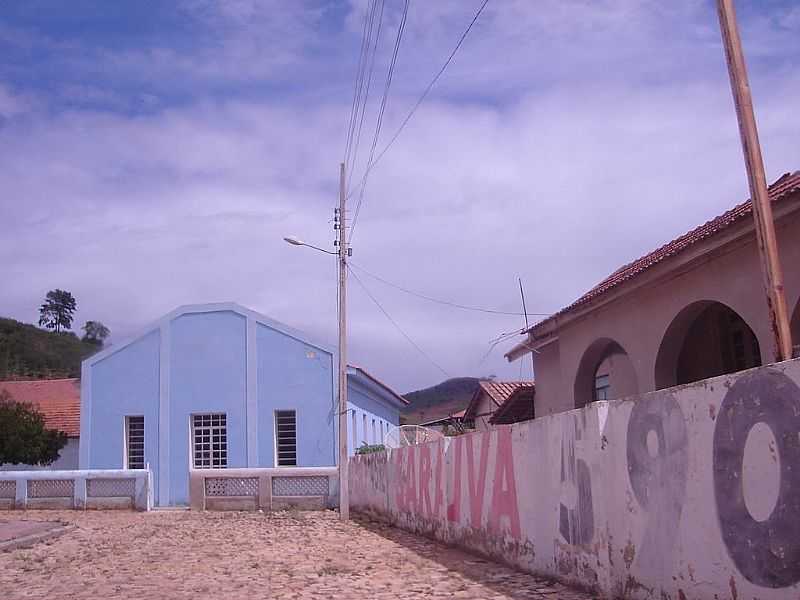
column 295, row 242
column 342, row 251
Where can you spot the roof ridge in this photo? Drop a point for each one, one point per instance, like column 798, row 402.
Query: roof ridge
column 787, row 183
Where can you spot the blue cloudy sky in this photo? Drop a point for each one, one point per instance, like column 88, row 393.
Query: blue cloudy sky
column 155, row 153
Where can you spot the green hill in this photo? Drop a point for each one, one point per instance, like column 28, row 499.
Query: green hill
column 439, row 401
column 27, row 352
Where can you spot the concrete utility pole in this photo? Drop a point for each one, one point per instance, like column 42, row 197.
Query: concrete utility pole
column 762, row 209
column 341, row 224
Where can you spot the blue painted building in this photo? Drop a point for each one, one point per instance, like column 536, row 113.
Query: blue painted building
column 217, row 386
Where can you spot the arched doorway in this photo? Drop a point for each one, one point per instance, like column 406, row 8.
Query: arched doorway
column 605, row 373
column 795, row 329
column 704, row 340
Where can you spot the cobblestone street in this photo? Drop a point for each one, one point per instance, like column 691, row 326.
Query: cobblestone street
column 224, row 556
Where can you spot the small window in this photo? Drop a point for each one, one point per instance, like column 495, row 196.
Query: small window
column 286, row 437
column 355, row 430
column 602, row 387
column 374, row 435
column 210, row 441
column 364, row 431
column 134, row 442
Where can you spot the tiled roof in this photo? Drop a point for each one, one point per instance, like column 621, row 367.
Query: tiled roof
column 517, row 407
column 59, row 400
column 498, row 391
column 783, row 187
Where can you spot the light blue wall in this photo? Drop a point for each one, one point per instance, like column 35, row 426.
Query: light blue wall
column 205, row 370
column 365, row 401
column 295, row 376
column 125, row 383
column 207, row 375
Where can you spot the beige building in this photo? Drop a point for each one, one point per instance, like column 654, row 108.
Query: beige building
column 692, row 309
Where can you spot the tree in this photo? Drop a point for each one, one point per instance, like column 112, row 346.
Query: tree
column 56, row 312
column 24, row 438
column 95, row 333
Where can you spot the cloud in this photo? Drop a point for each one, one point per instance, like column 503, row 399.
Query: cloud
column 564, row 141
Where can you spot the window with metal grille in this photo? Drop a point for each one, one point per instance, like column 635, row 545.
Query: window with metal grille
column 210, row 441
column 602, row 387
column 134, row 442
column 286, row 438
column 355, row 430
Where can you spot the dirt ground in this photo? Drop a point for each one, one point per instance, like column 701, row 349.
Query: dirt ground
column 175, row 555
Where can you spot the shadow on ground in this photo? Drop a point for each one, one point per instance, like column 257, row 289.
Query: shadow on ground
column 502, row 579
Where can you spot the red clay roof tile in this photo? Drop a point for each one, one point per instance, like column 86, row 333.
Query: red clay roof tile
column 498, row 391
column 59, row 400
column 783, row 187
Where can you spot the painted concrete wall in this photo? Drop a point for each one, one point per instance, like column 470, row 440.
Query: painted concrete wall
column 67, row 460
column 685, row 493
column 214, row 359
column 724, row 269
column 207, row 375
column 124, row 383
column 300, row 377
column 483, row 412
column 369, row 417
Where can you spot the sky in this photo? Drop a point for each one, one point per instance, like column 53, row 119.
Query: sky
column 154, row 154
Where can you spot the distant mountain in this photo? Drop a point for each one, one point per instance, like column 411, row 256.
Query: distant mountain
column 27, row 352
column 439, row 401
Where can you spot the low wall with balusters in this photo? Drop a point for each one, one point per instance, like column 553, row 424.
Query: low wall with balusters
column 685, row 493
column 307, row 488
column 94, row 489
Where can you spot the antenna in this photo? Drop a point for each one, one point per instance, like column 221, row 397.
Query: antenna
column 410, row 435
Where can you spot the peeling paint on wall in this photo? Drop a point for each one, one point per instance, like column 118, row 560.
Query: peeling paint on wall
column 662, row 474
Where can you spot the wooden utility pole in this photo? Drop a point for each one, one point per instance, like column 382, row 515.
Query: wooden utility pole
column 762, row 209
column 344, row 491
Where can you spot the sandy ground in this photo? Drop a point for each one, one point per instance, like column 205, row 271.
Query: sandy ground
column 176, row 555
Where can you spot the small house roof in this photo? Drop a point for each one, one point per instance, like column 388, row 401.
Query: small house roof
column 517, row 407
column 498, row 391
column 59, row 401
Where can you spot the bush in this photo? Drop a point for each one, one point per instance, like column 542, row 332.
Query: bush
column 24, row 439
column 370, row 448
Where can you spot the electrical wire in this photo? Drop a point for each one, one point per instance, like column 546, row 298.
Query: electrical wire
column 393, row 322
column 361, row 96
column 356, row 89
column 379, row 123
column 352, row 166
column 445, row 302
column 425, row 93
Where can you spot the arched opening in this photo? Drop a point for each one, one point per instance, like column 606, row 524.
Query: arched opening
column 704, row 340
column 605, row 373
column 795, row 329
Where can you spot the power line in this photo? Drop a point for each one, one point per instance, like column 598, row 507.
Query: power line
column 446, row 302
column 364, row 103
column 379, row 123
column 356, row 91
column 362, row 100
column 393, row 322
column 410, row 114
